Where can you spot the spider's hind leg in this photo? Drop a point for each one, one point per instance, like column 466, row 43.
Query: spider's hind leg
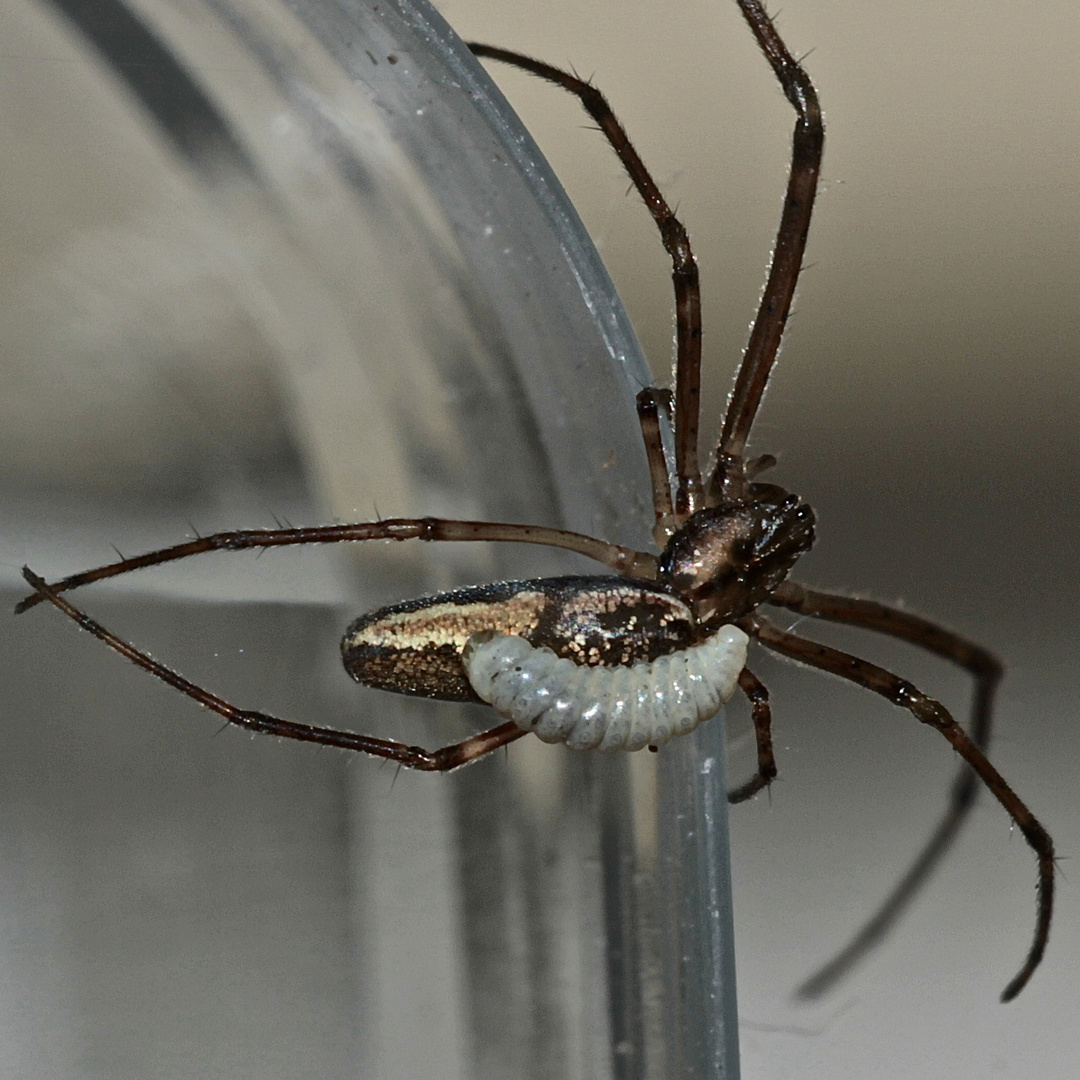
column 411, row 757
column 684, row 271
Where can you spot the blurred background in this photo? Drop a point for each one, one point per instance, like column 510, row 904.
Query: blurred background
column 926, row 404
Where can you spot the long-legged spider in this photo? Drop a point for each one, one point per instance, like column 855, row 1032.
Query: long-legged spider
column 728, row 544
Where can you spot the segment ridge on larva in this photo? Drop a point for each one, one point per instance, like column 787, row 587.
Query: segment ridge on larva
column 606, row 708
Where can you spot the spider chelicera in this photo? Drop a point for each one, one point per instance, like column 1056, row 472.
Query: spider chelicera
column 728, row 543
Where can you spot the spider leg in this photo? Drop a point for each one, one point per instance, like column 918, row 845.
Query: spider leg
column 625, row 561
column 684, row 272
column 650, row 403
column 985, row 668
column 768, row 328
column 758, row 696
column 986, row 671
column 411, row 757
column 927, row 711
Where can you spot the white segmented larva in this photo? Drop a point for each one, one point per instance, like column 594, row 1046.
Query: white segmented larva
column 609, row 708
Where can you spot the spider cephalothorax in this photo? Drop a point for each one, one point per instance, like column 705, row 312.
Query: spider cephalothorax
column 728, row 559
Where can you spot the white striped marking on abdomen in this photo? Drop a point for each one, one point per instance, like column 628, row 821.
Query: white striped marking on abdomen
column 609, row 708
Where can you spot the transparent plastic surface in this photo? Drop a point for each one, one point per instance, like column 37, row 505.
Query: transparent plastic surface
column 325, row 242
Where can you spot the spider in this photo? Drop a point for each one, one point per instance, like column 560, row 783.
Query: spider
column 616, row 661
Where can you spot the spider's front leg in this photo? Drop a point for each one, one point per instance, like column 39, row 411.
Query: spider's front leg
column 689, row 493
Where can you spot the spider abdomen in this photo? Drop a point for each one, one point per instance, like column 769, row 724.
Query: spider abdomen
column 415, row 647
column 607, row 708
